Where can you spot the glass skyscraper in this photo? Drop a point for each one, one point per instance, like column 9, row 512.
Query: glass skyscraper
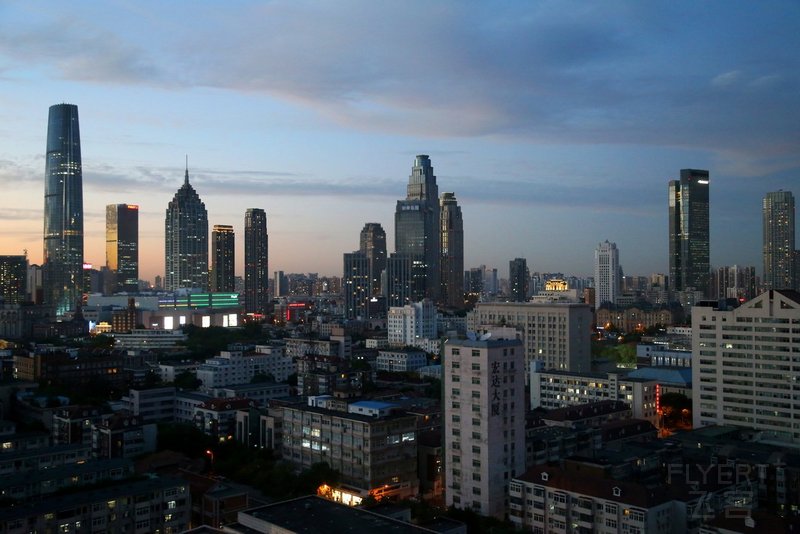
column 186, row 240
column 417, row 225
column 256, row 257
column 779, row 241
column 689, row 247
column 373, row 244
column 122, row 247
column 518, row 280
column 63, row 211
column 451, row 278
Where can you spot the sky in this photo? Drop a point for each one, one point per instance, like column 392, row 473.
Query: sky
column 556, row 123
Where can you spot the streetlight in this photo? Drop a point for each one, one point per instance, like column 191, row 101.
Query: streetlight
column 210, row 453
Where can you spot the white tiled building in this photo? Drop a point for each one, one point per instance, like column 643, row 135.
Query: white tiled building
column 237, row 367
column 409, row 325
column 484, row 422
column 746, row 364
column 400, row 360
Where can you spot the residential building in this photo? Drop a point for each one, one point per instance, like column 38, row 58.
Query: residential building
column 606, row 274
column 689, row 244
column 13, row 279
column 451, row 278
column 779, row 241
column 557, row 334
column 401, row 360
column 256, row 262
column 123, row 436
column 374, row 455
column 122, row 249
column 417, row 226
column 186, row 240
column 518, row 280
column 62, row 266
column 743, row 365
column 484, row 423
column 153, row 405
column 735, row 282
column 223, row 259
column 409, row 325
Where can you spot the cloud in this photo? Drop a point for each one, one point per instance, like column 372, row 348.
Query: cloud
column 726, row 78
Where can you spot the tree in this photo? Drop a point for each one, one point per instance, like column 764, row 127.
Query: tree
column 186, row 380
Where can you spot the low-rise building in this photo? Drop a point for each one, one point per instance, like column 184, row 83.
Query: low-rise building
column 401, row 360
column 123, row 436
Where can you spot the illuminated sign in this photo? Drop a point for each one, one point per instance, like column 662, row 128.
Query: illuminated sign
column 133, row 207
column 87, row 266
column 704, row 182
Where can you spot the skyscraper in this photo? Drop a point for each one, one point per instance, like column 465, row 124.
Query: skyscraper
column 63, row 210
column 356, row 284
column 689, row 248
column 223, row 254
column 606, row 274
column 417, row 225
column 13, row 279
column 122, row 247
column 186, row 240
column 373, row 244
column 518, row 280
column 779, row 240
column 256, row 257
column 451, row 293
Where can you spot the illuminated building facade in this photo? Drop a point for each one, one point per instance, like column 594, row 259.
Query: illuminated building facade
column 122, row 248
column 256, row 257
column 13, row 278
column 186, row 240
column 689, row 247
column 63, row 211
column 357, row 281
column 779, row 241
column 223, row 249
column 451, row 278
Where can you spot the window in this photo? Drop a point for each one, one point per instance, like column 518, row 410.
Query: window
column 476, row 367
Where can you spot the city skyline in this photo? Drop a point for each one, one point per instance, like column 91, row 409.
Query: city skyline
column 577, row 129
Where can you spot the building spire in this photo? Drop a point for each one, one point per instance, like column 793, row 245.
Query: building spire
column 186, row 178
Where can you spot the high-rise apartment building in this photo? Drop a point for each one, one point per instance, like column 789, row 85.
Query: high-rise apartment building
column 518, row 280
column 606, row 274
column 779, row 241
column 122, row 248
column 412, row 323
column 689, row 248
column 373, row 245
column 451, row 262
column 555, row 334
column 735, row 282
column 13, row 278
column 484, row 423
column 742, row 365
column 416, row 225
column 256, row 257
column 280, row 284
column 356, row 284
column 223, row 259
column 186, row 240
column 63, row 210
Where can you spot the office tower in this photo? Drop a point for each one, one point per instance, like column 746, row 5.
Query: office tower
column 451, row 278
column 63, row 211
column 280, row 284
column 256, row 262
column 689, row 249
column 223, row 254
column 186, row 242
column 556, row 334
column 779, row 240
column 484, row 423
column 373, row 244
column 356, row 282
column 416, row 225
column 518, row 279
column 405, row 279
column 606, row 274
column 747, row 376
column 13, row 279
column 122, row 248
column 475, row 281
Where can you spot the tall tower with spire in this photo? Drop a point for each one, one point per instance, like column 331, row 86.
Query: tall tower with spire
column 186, row 240
column 416, row 226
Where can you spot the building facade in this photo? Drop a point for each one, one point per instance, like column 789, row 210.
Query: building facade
column 373, row 245
column 484, row 423
column 606, row 274
column 122, row 248
column 356, row 282
column 451, row 278
column 518, row 280
column 63, row 211
column 779, row 241
column 689, row 246
column 13, row 279
column 223, row 259
column 744, row 365
column 412, row 323
column 256, row 262
column 417, row 223
column 186, row 240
